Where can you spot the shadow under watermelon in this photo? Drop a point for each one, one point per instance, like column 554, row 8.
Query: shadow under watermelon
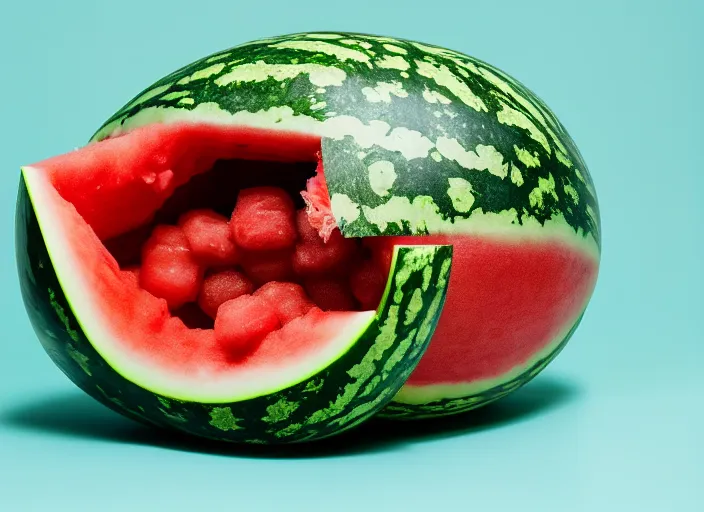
column 76, row 415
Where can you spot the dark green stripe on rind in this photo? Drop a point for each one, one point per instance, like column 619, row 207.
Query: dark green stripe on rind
column 466, row 113
column 342, row 395
column 452, row 406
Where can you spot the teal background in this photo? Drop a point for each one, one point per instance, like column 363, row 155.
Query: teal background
column 615, row 423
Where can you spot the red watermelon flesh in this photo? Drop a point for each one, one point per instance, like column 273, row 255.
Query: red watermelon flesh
column 505, row 302
column 169, row 269
column 289, row 300
column 263, row 219
column 242, row 323
column 209, row 237
column 219, row 287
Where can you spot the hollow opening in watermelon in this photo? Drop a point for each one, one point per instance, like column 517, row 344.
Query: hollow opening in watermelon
column 200, row 261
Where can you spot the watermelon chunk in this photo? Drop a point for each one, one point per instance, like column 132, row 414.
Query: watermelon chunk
column 242, row 323
column 209, row 237
column 220, row 287
column 263, row 219
column 289, row 300
column 169, row 269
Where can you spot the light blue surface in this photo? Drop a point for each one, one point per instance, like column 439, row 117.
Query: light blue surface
column 615, row 423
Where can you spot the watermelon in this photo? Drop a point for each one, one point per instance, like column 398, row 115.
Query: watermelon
column 406, row 159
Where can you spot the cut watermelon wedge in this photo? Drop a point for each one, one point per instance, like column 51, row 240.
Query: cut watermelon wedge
column 323, row 367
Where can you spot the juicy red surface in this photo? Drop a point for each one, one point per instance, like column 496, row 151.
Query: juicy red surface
column 133, row 273
column 367, row 283
column 134, row 169
column 242, row 323
column 168, row 269
column 263, row 219
column 209, row 237
column 289, row 300
column 330, row 293
column 505, row 301
column 220, row 287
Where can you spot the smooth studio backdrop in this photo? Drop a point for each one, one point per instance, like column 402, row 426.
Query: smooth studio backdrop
column 615, row 423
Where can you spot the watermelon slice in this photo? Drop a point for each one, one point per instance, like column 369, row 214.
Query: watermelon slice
column 133, row 328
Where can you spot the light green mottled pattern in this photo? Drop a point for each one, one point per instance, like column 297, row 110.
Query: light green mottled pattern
column 545, row 187
column 384, row 91
column 526, row 157
column 431, row 104
column 80, row 359
column 312, row 386
column 400, row 351
column 223, row 419
column 280, row 411
column 427, row 326
column 460, row 193
column 393, row 62
column 443, row 77
column 414, row 307
column 175, row 95
column 427, row 274
column 572, row 192
column 360, row 372
column 347, row 210
column 320, row 76
column 516, row 176
column 202, row 74
column 513, row 117
column 382, row 176
column 62, row 315
column 335, row 50
column 483, row 158
column 288, row 430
